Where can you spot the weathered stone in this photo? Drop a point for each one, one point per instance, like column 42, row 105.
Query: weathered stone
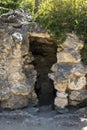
column 63, row 71
column 68, row 76
column 15, row 101
column 78, row 96
column 73, row 42
column 67, row 70
column 60, row 86
column 60, row 102
column 20, row 89
column 77, row 83
column 4, row 90
column 41, row 37
column 69, row 73
column 18, row 17
column 79, row 69
column 69, row 56
column 61, row 94
column 15, row 55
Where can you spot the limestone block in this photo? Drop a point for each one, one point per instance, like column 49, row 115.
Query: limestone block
column 69, row 69
column 15, row 101
column 20, row 89
column 63, row 71
column 72, row 41
column 79, row 69
column 61, row 86
column 61, row 102
column 61, row 94
column 78, row 96
column 68, row 56
column 77, row 84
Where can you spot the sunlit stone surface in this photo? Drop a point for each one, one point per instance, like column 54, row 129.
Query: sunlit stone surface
column 17, row 74
column 69, row 73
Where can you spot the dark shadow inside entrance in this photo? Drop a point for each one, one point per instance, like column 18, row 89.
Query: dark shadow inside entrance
column 44, row 57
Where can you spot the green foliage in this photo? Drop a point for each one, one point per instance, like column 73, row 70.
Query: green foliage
column 7, row 5
column 62, row 16
column 27, row 4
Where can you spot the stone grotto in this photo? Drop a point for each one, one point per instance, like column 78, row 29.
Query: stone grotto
column 33, row 70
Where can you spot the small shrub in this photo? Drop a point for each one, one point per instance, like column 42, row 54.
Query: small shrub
column 27, row 4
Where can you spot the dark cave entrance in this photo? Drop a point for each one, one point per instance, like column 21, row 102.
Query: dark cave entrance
column 44, row 57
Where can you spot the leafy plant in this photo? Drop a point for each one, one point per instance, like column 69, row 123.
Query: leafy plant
column 63, row 16
column 7, row 5
column 27, row 4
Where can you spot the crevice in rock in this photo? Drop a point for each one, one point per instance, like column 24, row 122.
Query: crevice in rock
column 44, row 57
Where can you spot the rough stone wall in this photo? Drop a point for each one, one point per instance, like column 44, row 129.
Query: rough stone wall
column 17, row 74
column 69, row 73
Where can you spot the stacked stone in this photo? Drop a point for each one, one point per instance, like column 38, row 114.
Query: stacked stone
column 16, row 87
column 69, row 73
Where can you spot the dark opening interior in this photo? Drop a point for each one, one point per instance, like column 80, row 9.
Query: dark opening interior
column 44, row 57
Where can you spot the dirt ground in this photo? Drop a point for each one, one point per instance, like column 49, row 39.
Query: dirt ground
column 43, row 119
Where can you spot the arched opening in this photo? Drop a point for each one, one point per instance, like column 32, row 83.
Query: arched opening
column 44, row 57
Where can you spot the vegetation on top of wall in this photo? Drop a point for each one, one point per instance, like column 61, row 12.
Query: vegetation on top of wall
column 57, row 16
column 8, row 5
column 27, row 4
column 63, row 16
